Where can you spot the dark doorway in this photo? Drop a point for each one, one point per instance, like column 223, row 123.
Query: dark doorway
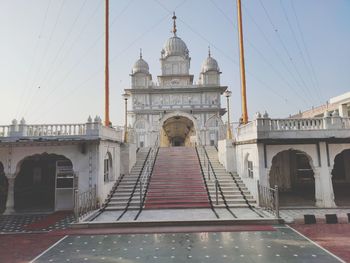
column 35, row 184
column 292, row 173
column 341, row 178
column 3, row 189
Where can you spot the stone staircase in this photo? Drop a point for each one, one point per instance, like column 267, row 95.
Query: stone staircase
column 176, row 181
column 234, row 190
column 121, row 194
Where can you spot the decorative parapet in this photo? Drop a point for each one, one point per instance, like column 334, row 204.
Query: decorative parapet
column 265, row 127
column 90, row 128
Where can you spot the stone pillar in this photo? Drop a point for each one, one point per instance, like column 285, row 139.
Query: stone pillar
column 343, row 110
column 325, row 180
column 10, row 202
column 318, row 189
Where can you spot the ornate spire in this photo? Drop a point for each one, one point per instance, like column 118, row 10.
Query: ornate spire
column 140, row 53
column 209, row 54
column 174, row 24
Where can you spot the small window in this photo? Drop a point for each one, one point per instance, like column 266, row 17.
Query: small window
column 250, row 169
column 107, row 168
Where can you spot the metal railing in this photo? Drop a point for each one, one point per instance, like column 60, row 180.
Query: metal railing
column 208, row 170
column 268, row 198
column 147, row 171
column 84, row 202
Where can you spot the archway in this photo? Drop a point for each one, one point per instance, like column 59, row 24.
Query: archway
column 178, row 131
column 43, row 182
column 292, row 172
column 341, row 178
column 215, row 130
column 3, row 189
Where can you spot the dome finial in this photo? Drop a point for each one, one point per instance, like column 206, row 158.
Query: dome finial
column 174, row 24
column 140, row 52
column 209, row 54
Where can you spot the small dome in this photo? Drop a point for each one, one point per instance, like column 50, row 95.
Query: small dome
column 140, row 66
column 175, row 46
column 210, row 64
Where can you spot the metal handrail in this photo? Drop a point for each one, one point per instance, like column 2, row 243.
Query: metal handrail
column 147, row 171
column 217, row 183
column 84, row 202
column 268, row 198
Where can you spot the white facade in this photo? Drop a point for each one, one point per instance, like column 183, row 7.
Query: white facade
column 87, row 146
column 175, row 92
column 320, row 140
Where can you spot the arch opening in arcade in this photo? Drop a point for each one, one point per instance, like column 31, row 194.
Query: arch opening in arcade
column 291, row 171
column 341, row 178
column 178, row 131
column 45, row 182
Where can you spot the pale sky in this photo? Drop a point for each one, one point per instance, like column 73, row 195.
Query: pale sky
column 52, row 53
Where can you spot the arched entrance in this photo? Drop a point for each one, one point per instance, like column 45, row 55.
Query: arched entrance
column 341, row 178
column 38, row 181
column 178, row 130
column 291, row 171
column 3, row 189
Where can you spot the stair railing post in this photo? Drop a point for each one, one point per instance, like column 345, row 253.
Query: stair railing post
column 76, row 205
column 208, row 172
column 258, row 192
column 140, row 194
column 277, row 202
column 216, row 191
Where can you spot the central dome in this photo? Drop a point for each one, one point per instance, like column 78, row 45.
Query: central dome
column 175, row 46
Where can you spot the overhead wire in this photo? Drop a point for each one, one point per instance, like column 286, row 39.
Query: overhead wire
column 44, row 57
column 222, row 52
column 278, row 73
column 306, row 50
column 305, row 89
column 299, row 48
column 77, row 88
column 34, row 53
column 51, row 67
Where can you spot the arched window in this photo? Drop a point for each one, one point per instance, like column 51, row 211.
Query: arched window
column 107, row 168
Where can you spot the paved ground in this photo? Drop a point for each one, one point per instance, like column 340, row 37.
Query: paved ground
column 30, row 236
column 233, row 244
column 335, row 238
column 280, row 245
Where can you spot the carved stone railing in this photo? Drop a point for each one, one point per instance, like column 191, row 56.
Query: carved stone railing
column 346, row 123
column 90, row 128
column 56, row 130
column 265, row 127
column 295, row 124
column 4, row 130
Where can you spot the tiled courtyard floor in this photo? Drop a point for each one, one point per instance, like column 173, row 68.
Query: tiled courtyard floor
column 277, row 244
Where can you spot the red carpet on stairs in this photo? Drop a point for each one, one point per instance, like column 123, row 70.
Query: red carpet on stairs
column 177, row 181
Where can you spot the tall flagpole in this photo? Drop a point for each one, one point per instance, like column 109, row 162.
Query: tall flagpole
column 107, row 121
column 242, row 67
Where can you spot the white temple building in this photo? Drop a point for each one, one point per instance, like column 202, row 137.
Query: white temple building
column 44, row 167
column 175, row 108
